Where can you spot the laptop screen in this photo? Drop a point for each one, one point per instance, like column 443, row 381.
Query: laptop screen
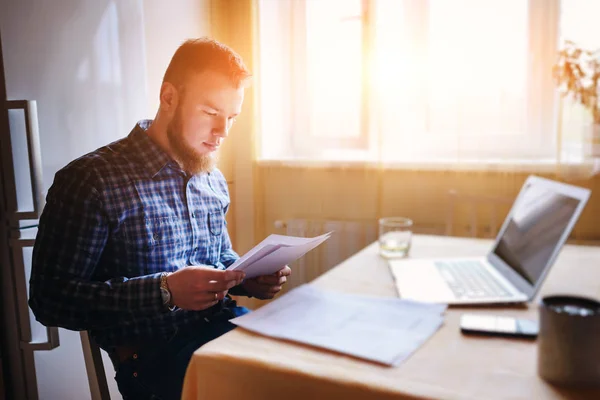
column 534, row 230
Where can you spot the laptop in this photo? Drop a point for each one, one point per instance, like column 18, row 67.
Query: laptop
column 535, row 229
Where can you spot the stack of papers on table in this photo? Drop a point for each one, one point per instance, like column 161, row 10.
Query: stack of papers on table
column 274, row 253
column 384, row 330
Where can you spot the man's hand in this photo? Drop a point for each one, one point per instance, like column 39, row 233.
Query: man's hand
column 267, row 286
column 199, row 288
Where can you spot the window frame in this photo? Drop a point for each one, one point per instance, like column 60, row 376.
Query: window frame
column 542, row 121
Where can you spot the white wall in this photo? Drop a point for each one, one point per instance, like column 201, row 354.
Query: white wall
column 168, row 24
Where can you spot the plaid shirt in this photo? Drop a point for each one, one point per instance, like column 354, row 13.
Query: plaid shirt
column 114, row 220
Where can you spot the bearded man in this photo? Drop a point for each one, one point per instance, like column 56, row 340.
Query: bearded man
column 133, row 246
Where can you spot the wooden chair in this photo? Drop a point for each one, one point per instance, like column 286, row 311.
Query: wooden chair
column 94, row 367
column 477, row 204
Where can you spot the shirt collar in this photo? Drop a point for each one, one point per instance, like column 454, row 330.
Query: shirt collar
column 148, row 153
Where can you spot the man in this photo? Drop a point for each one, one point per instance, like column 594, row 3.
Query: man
column 133, row 244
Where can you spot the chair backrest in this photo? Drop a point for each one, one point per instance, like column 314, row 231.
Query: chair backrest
column 477, row 205
column 94, row 367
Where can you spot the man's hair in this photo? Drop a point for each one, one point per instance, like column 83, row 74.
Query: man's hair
column 203, row 54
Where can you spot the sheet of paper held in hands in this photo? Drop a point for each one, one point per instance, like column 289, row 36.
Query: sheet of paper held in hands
column 274, row 253
column 384, row 330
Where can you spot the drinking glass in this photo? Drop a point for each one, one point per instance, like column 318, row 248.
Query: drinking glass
column 395, row 235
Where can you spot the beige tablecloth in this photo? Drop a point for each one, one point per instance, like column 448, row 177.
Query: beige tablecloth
column 243, row 365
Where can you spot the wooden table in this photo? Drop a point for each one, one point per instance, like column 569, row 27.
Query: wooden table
column 243, row 365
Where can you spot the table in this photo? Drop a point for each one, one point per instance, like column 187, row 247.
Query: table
column 243, row 365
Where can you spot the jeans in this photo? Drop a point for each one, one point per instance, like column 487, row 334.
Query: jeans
column 157, row 372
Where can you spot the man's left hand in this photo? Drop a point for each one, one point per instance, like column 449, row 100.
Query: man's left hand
column 267, row 286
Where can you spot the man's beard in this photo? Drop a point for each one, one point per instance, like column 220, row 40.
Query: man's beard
column 190, row 160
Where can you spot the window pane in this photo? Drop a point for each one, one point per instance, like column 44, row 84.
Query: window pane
column 579, row 24
column 333, row 59
column 477, row 68
column 455, row 83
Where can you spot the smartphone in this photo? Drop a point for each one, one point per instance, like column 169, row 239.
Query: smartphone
column 495, row 325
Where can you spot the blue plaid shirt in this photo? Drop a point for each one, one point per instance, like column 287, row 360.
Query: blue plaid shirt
column 114, row 220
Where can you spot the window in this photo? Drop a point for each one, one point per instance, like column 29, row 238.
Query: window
column 412, row 81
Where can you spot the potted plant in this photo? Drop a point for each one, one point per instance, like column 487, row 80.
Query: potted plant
column 577, row 73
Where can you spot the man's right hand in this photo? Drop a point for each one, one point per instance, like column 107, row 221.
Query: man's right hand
column 199, row 288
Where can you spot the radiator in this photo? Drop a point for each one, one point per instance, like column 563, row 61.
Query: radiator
column 348, row 238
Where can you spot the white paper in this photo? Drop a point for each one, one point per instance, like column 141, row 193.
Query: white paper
column 416, row 306
column 275, row 252
column 383, row 330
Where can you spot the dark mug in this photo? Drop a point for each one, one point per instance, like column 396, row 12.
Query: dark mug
column 569, row 341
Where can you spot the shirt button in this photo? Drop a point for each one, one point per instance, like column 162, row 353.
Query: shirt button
column 195, row 249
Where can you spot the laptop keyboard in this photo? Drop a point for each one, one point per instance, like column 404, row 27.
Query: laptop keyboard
column 469, row 279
